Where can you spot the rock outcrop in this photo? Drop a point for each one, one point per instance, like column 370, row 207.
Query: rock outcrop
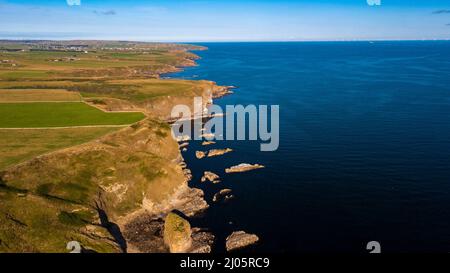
column 184, row 145
column 210, row 176
column 208, row 136
column 219, row 152
column 207, row 143
column 202, row 241
column 224, row 194
column 177, row 233
column 194, row 202
column 212, row 153
column 244, row 167
column 190, row 201
column 240, row 239
column 145, row 234
column 222, row 91
column 200, row 154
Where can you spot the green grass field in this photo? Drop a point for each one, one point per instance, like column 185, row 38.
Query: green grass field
column 64, row 114
column 38, row 95
column 18, row 145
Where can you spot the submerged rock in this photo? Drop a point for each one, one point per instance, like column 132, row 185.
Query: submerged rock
column 177, row 233
column 229, row 197
column 244, row 167
column 219, row 152
column 200, row 154
column 240, row 239
column 210, row 176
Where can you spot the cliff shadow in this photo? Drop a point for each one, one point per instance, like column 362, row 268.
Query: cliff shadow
column 113, row 229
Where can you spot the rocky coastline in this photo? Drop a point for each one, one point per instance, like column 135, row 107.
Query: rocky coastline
column 146, row 230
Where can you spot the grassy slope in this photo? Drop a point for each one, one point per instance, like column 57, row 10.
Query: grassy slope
column 51, row 200
column 16, row 146
column 62, row 189
column 49, row 114
column 23, row 217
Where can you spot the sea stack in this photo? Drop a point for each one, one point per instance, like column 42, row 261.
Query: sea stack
column 177, row 233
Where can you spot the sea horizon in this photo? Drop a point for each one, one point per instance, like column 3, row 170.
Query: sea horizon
column 214, row 41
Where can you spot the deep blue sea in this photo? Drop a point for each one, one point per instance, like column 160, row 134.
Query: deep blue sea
column 364, row 146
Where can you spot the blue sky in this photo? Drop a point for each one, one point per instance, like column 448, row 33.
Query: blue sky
column 230, row 20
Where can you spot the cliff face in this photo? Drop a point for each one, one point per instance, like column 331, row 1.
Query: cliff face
column 89, row 193
column 113, row 176
column 80, row 192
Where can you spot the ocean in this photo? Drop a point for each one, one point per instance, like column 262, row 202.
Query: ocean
column 364, row 146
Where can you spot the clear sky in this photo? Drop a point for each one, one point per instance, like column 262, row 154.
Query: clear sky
column 225, row 20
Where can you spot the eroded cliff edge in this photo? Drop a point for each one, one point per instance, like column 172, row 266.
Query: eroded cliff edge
column 90, row 193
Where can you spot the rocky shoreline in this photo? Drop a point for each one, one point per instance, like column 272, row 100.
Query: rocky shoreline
column 153, row 230
column 145, row 234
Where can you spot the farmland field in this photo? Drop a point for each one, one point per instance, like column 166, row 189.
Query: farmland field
column 64, row 114
column 59, row 154
column 19, row 145
column 37, row 95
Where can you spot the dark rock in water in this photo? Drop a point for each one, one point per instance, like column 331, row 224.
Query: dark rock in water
column 240, row 239
column 229, row 197
column 223, row 194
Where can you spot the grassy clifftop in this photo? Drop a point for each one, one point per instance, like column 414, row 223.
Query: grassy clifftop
column 55, row 189
column 61, row 194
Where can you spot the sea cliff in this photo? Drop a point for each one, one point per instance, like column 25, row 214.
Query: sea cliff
column 93, row 193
